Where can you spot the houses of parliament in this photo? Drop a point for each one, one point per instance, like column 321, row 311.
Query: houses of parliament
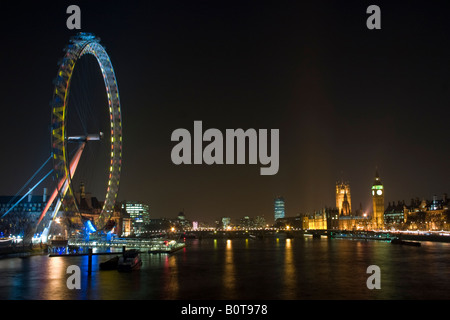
column 424, row 215
column 358, row 219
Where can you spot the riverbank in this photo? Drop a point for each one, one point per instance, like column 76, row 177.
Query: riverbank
column 22, row 251
column 388, row 236
column 419, row 237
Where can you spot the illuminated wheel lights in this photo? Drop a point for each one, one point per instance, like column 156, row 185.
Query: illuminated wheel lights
column 80, row 45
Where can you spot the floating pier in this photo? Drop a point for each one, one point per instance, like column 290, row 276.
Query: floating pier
column 151, row 246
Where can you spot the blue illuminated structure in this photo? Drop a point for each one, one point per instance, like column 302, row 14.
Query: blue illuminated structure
column 90, row 227
column 279, row 208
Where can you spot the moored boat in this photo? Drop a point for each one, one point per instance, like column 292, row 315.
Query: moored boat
column 407, row 243
column 110, row 264
column 129, row 261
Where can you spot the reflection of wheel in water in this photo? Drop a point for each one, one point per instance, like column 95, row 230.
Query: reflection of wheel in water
column 67, row 148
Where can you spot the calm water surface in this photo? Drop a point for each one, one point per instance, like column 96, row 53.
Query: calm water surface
column 300, row 268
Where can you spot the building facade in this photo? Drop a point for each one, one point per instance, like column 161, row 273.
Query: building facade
column 323, row 219
column 394, row 215
column 139, row 214
column 19, row 219
column 355, row 222
column 425, row 215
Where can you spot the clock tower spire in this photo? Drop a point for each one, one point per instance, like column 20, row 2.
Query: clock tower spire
column 378, row 202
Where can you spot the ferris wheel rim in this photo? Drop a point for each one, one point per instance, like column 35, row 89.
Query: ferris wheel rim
column 80, row 45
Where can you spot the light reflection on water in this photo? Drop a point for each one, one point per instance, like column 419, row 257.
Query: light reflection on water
column 299, row 268
column 229, row 278
column 290, row 277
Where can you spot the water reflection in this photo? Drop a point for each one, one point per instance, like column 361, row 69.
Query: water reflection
column 290, row 274
column 18, row 285
column 244, row 269
column 171, row 274
column 229, row 278
column 54, row 284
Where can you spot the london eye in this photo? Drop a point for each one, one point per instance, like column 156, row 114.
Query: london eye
column 69, row 140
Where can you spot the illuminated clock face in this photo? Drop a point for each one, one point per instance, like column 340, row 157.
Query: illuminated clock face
column 379, row 192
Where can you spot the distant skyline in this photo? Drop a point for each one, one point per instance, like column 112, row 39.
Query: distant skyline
column 346, row 100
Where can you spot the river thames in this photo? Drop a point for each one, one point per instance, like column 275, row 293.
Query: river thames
column 238, row 269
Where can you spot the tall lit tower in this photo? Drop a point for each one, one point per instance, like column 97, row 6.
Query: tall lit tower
column 378, row 203
column 342, row 189
column 279, row 208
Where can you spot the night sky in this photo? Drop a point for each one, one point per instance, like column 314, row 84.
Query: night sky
column 345, row 99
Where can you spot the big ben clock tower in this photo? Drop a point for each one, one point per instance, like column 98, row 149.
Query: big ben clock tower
column 378, row 203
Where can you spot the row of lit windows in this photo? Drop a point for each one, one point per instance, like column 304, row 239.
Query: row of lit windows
column 7, row 205
column 23, row 210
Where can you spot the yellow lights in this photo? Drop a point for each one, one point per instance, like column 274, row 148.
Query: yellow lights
column 172, row 229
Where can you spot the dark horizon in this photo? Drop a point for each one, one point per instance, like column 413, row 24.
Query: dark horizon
column 347, row 100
